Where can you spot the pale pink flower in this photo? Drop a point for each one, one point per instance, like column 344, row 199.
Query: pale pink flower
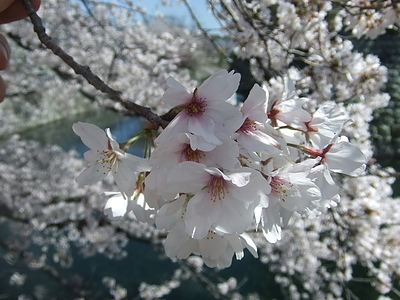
column 256, row 134
column 179, row 148
column 222, row 200
column 204, row 112
column 289, row 109
column 292, row 190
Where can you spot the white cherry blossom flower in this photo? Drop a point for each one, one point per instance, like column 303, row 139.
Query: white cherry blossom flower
column 179, row 148
column 340, row 156
column 292, row 190
column 106, row 157
column 216, row 250
column 288, row 109
column 204, row 112
column 222, row 200
column 326, row 123
column 256, row 134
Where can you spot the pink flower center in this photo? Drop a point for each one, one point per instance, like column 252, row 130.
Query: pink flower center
column 218, row 188
column 279, row 187
column 248, row 126
column 192, row 155
column 196, row 106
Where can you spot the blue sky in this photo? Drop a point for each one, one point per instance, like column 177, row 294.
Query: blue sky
column 180, row 11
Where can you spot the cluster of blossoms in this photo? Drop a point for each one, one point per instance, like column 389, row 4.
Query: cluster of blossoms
column 219, row 170
column 371, row 18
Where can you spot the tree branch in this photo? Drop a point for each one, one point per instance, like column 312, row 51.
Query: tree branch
column 205, row 33
column 86, row 72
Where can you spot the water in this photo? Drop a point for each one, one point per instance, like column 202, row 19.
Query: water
column 60, row 133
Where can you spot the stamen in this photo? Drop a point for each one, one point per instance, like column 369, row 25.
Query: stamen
column 248, row 126
column 279, row 187
column 107, row 159
column 192, row 155
column 217, row 187
column 196, row 106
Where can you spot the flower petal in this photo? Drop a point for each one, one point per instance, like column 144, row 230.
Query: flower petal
column 220, row 86
column 92, row 175
column 204, row 126
column 117, row 205
column 91, row 135
column 176, row 94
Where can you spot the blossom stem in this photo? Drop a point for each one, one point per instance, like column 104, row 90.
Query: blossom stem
column 131, row 141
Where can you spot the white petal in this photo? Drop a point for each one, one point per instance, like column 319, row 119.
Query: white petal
column 220, row 86
column 234, row 217
column 271, row 224
column 201, row 213
column 125, row 177
column 178, row 125
column 255, row 106
column 346, row 158
column 92, row 175
column 250, row 245
column 117, row 205
column 170, row 213
column 187, row 177
column 213, row 246
column 93, row 156
column 112, row 141
column 204, row 126
column 91, row 135
column 240, row 179
column 179, row 244
column 176, row 94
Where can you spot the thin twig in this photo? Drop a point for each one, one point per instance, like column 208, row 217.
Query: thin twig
column 86, row 72
column 205, row 33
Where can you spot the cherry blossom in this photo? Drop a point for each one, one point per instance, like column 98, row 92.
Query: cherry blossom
column 288, row 109
column 256, row 134
column 215, row 250
column 222, row 200
column 340, row 156
column 204, row 112
column 106, row 157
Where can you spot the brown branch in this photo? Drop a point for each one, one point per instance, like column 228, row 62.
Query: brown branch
column 86, row 72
